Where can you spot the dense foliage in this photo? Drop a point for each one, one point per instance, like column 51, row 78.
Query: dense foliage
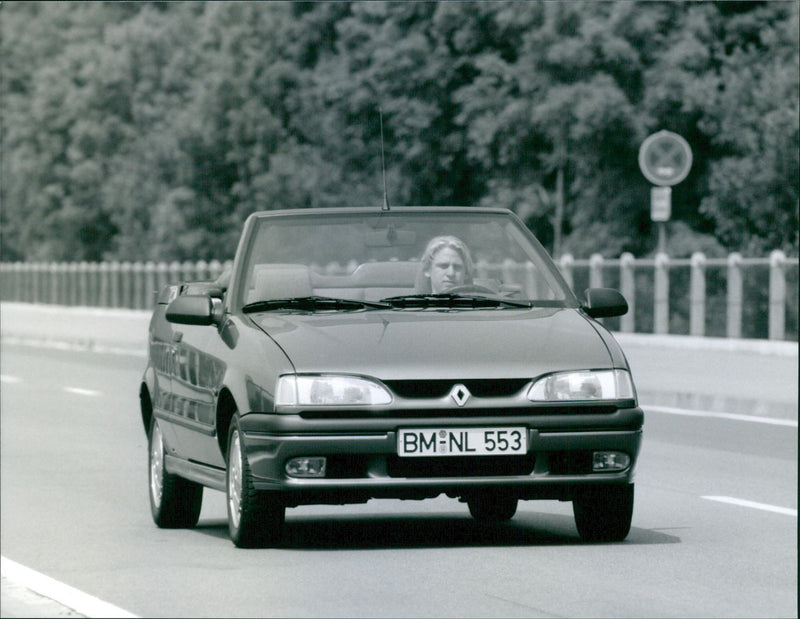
column 150, row 130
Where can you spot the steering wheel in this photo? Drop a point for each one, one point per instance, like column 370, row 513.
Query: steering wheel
column 471, row 288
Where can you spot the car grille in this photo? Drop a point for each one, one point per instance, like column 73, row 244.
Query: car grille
column 481, row 388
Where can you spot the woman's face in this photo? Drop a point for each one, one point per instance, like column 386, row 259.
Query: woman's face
column 446, row 270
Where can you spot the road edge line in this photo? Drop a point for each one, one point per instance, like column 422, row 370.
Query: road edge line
column 57, row 591
column 786, row 511
column 670, row 410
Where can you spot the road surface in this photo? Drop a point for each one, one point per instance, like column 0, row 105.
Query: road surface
column 714, row 527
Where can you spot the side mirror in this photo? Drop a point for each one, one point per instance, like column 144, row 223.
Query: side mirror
column 191, row 309
column 604, row 303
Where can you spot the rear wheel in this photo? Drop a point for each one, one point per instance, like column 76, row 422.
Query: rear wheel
column 174, row 502
column 255, row 519
column 603, row 513
column 489, row 506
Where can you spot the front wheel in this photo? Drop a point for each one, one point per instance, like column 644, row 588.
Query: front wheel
column 255, row 519
column 603, row 513
column 174, row 502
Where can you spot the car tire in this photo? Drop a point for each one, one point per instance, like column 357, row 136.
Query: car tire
column 255, row 518
column 174, row 502
column 490, row 507
column 603, row 513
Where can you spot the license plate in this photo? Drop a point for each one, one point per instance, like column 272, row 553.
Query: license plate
column 462, row 442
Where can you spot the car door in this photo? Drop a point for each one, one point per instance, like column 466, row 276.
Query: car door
column 196, row 383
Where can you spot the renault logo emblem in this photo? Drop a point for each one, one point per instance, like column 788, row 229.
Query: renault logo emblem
column 460, row 394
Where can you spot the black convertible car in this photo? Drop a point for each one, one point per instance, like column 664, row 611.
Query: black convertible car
column 359, row 353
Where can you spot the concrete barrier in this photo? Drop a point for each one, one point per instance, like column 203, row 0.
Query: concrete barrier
column 105, row 330
column 747, row 377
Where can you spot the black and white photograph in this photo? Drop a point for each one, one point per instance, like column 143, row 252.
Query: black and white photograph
column 399, row 308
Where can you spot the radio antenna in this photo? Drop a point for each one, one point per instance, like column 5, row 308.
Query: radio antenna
column 383, row 166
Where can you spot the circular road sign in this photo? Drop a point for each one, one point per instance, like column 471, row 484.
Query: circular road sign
column 665, row 158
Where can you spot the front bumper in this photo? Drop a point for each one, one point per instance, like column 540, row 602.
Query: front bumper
column 363, row 459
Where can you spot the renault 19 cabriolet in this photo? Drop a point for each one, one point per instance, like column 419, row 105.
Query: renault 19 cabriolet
column 362, row 353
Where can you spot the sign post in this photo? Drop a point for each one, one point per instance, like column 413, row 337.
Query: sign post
column 660, row 212
column 665, row 159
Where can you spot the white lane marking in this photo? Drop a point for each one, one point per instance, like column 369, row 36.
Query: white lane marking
column 79, row 391
column 695, row 413
column 763, row 506
column 71, row 597
column 5, row 378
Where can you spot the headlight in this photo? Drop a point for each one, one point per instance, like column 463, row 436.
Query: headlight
column 583, row 385
column 329, row 390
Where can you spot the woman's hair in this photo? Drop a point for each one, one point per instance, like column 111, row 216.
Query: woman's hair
column 436, row 244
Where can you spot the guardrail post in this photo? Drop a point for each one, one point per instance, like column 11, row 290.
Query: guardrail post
column 162, row 278
column 104, row 295
column 26, row 282
column 125, row 273
column 565, row 262
column 202, row 270
column 214, row 269
column 6, row 282
column 38, row 275
column 697, row 295
column 734, row 294
column 175, row 272
column 8, row 286
column 95, row 281
column 596, row 271
column 82, row 284
column 777, row 295
column 65, row 283
column 508, row 270
column 51, row 283
column 189, row 273
column 150, row 285
column 661, row 298
column 138, row 285
column 72, row 285
column 530, row 284
column 115, row 277
column 627, row 284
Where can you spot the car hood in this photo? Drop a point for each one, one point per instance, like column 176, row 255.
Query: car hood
column 439, row 344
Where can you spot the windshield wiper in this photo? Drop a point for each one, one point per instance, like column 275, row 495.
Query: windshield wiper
column 311, row 304
column 456, row 301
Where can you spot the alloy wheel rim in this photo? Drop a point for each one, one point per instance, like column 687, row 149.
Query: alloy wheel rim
column 156, row 465
column 235, row 481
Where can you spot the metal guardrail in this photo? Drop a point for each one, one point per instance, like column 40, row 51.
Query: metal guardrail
column 734, row 297
column 130, row 285
column 730, row 297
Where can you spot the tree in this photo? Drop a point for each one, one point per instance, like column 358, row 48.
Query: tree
column 151, row 130
column 753, row 186
column 555, row 116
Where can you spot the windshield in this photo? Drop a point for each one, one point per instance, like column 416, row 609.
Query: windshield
column 397, row 258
